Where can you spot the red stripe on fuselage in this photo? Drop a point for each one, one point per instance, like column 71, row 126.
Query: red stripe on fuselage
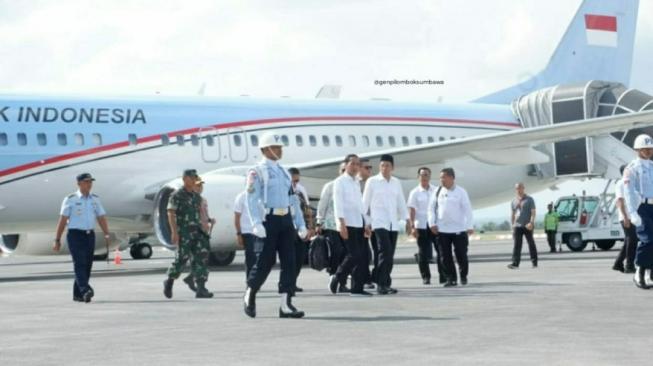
column 117, row 145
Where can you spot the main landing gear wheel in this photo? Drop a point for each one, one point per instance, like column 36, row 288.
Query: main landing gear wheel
column 141, row 251
column 221, row 258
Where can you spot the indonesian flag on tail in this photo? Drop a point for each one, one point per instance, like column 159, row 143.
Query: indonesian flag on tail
column 601, row 30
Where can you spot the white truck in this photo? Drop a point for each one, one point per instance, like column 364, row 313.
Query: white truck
column 588, row 219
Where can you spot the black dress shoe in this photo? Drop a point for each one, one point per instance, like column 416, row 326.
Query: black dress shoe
column 333, row 284
column 512, row 266
column 78, row 298
column 294, row 314
column 640, row 279
column 443, row 280
column 426, row 281
column 343, row 289
column 361, row 293
column 298, row 289
column 392, row 291
column 370, row 286
column 249, row 303
column 381, row 290
column 167, row 287
column 619, row 268
column 290, row 311
column 450, row 284
column 88, row 295
column 463, row 281
column 629, row 269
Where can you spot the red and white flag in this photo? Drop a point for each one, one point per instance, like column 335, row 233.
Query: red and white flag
column 601, row 30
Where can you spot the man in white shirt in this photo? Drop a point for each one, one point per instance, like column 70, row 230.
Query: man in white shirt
column 348, row 208
column 326, row 225
column 629, row 248
column 450, row 218
column 418, row 207
column 244, row 234
column 384, row 202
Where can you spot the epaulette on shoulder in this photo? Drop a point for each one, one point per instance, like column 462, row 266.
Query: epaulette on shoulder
column 72, row 195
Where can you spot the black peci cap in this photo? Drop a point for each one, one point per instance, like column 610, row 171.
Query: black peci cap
column 388, row 158
column 85, row 176
column 190, row 173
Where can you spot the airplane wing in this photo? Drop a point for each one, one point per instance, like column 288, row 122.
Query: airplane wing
column 513, row 147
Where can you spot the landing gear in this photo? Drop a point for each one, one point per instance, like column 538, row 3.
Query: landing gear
column 221, row 258
column 141, row 251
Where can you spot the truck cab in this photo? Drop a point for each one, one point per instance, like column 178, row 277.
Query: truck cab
column 585, row 219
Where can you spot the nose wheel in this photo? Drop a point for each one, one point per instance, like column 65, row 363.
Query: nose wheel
column 141, row 251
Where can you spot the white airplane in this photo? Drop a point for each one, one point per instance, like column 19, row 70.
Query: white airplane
column 562, row 124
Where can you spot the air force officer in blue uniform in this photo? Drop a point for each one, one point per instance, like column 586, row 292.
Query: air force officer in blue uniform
column 638, row 192
column 80, row 210
column 276, row 218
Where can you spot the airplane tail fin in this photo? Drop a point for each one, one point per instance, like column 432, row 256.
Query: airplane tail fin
column 598, row 45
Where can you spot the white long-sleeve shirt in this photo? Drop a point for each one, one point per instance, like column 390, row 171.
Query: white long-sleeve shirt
column 418, row 199
column 454, row 211
column 384, row 202
column 347, row 201
column 325, row 214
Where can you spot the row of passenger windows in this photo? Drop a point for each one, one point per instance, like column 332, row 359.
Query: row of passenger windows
column 364, row 140
column 79, row 139
column 62, row 139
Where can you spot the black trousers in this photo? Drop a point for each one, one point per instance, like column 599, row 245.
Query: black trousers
column 371, row 255
column 354, row 261
column 426, row 242
column 518, row 235
column 629, row 248
column 280, row 237
column 551, row 239
column 459, row 242
column 81, row 245
column 301, row 248
column 386, row 242
column 250, row 255
column 337, row 250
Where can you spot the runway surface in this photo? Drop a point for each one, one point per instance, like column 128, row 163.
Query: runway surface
column 572, row 310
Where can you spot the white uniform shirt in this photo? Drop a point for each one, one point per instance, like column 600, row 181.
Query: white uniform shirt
column 240, row 206
column 619, row 193
column 325, row 216
column 384, row 202
column 301, row 189
column 454, row 211
column 347, row 201
column 419, row 200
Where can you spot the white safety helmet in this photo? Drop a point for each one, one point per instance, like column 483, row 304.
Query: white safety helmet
column 643, row 142
column 269, row 139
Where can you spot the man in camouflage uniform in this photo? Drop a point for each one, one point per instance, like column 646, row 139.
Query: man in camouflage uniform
column 186, row 233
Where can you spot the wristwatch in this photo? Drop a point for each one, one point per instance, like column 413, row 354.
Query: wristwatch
column 107, row 236
column 239, row 233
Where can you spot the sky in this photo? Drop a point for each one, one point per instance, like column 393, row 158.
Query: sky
column 291, row 48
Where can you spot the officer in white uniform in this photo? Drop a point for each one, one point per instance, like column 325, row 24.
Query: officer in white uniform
column 80, row 210
column 270, row 199
column 638, row 192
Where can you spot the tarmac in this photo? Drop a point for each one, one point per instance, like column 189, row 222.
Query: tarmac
column 571, row 310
